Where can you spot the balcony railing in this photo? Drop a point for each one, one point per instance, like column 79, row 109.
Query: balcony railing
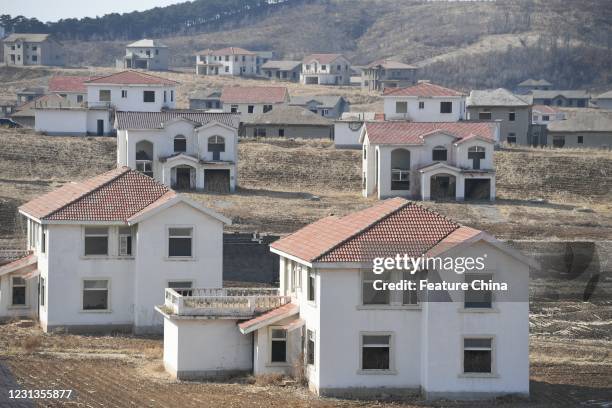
column 223, row 302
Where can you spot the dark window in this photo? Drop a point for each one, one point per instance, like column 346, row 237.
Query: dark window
column 511, row 116
column 446, row 107
column 43, row 237
column 580, row 140
column 267, row 108
column 19, row 291
column 95, row 295
column 476, row 154
column 484, row 115
column 79, row 98
column 558, row 141
column 439, row 153
column 260, row 132
column 278, row 338
column 375, row 352
column 401, row 107
column 124, row 93
column 400, row 179
column 234, row 109
column 511, row 138
column 216, row 145
column 581, row 103
column 250, row 108
column 125, row 241
column 421, row 105
column 148, row 96
column 410, row 297
column 104, row 95
column 545, row 118
column 42, row 289
column 371, row 296
column 310, row 347
column 477, row 355
column 96, row 241
column 281, row 132
column 477, row 299
column 183, row 288
column 34, row 58
column 179, row 242
column 311, row 285
column 180, row 144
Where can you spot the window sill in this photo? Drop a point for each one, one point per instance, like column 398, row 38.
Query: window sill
column 180, row 259
column 106, row 257
column 269, row 364
column 478, row 375
column 376, row 372
column 389, row 307
column 18, row 307
column 478, row 310
column 95, row 311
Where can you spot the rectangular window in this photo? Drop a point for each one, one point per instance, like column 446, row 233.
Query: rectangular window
column 581, row 103
column 310, row 347
column 171, row 96
column 296, row 277
column 267, row 108
column 125, row 241
column 226, row 69
column 580, row 140
column 234, row 109
column 183, row 288
column 439, row 154
column 477, row 299
column 401, row 107
column 79, row 98
column 95, row 294
column 43, row 239
column 148, row 96
column 278, row 345
column 180, row 242
column 421, row 105
column 376, row 352
column 250, row 108
column 311, row 284
column 260, row 132
column 104, row 95
column 371, row 296
column 124, row 93
column 43, row 287
column 558, row 141
column 477, row 355
column 446, row 107
column 512, row 116
column 18, row 291
column 34, row 58
column 410, row 297
column 165, row 96
column 96, row 241
column 545, row 118
column 281, row 132
column 323, row 67
column 400, row 179
column 511, row 138
column 484, row 115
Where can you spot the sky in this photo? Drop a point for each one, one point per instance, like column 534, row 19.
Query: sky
column 53, row 10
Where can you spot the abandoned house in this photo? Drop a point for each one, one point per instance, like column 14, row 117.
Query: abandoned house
column 582, row 128
column 184, row 150
column 386, row 73
column 145, row 54
column 282, row 70
column 566, row 99
column 424, row 102
column 205, row 99
column 530, row 85
column 250, row 101
column 325, row 69
column 289, row 122
column 231, row 61
column 33, row 49
column 329, row 106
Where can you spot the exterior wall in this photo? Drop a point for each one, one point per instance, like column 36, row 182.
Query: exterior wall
column 209, row 348
column 291, row 131
column 73, row 97
column 7, row 310
column 563, row 102
column 330, row 75
column 47, row 52
column 332, row 112
column 292, row 75
column 243, row 109
column 345, row 136
column 430, row 112
column 519, row 127
column 604, row 103
column 134, row 100
column 74, row 122
column 377, row 79
column 602, row 140
column 204, row 103
column 156, row 60
column 233, row 66
column 261, row 352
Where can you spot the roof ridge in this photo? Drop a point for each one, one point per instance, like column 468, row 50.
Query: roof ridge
column 366, row 228
column 124, row 171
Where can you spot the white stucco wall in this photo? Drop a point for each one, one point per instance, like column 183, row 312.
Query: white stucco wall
column 61, row 121
column 134, row 100
column 344, row 136
column 430, row 111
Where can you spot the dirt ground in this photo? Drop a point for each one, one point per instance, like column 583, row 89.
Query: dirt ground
column 568, row 368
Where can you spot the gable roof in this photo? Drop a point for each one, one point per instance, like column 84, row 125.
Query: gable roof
column 72, row 83
column 390, row 227
column 289, row 115
column 231, row 51
column 495, row 97
column 29, row 37
column 389, row 64
column 422, row 89
column 205, row 94
column 157, row 120
column 326, row 101
column 322, row 58
column 254, row 94
column 568, row 94
column 269, row 318
column 281, row 64
column 535, row 82
column 605, row 95
column 545, row 109
column 583, row 121
column 115, row 195
column 401, row 132
column 145, row 42
column 131, row 78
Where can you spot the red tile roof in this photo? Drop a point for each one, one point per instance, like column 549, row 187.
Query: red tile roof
column 390, row 227
column 112, row 196
column 269, row 317
column 322, row 58
column 254, row 94
column 68, row 83
column 22, row 265
column 545, row 109
column 402, row 132
column 422, row 89
column 232, row 51
column 131, row 78
column 157, row 120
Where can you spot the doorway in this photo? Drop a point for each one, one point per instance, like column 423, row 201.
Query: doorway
column 183, row 178
column 217, row 181
column 443, row 187
column 100, row 127
column 477, row 189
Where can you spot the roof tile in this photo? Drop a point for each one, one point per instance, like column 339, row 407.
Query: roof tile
column 402, row 132
column 131, row 78
column 254, row 94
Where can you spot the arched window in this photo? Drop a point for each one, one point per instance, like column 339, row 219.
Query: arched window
column 216, row 145
column 144, row 157
column 180, row 144
column 476, row 154
column 439, row 153
column 400, row 169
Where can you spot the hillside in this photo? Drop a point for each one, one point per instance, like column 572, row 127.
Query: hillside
column 460, row 43
column 284, row 184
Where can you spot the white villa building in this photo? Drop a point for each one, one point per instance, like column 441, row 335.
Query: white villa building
column 325, row 69
column 104, row 249
column 145, row 54
column 424, row 102
column 184, row 150
column 347, row 339
column 231, row 61
column 252, row 101
column 65, row 113
column 429, row 160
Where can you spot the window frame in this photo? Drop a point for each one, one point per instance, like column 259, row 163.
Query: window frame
column 398, row 104
column 84, row 239
column 403, row 176
column 512, row 116
column 392, row 368
column 493, row 371
column 193, row 233
column 186, row 290
column 446, row 104
column 26, row 299
column 311, row 336
column 108, row 294
column 42, row 285
column 439, row 149
column 272, row 339
column 421, row 104
column 311, row 290
column 579, row 139
column 144, row 96
column 129, row 243
column 396, row 297
column 101, row 99
column 124, row 93
column 179, row 138
column 484, row 276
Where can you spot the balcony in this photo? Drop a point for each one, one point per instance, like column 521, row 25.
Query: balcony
column 241, row 303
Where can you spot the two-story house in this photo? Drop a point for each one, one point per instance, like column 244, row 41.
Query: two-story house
column 329, row 106
column 604, row 100
column 429, row 160
column 104, row 250
column 33, row 49
column 325, row 69
column 424, row 102
column 251, row 101
column 565, row 98
column 205, row 99
column 386, row 73
column 230, row 61
column 511, row 111
column 335, row 323
column 145, row 54
column 530, row 85
column 185, row 150
column 282, row 70
column 57, row 114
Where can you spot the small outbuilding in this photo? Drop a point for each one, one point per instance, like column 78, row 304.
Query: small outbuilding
column 289, row 122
